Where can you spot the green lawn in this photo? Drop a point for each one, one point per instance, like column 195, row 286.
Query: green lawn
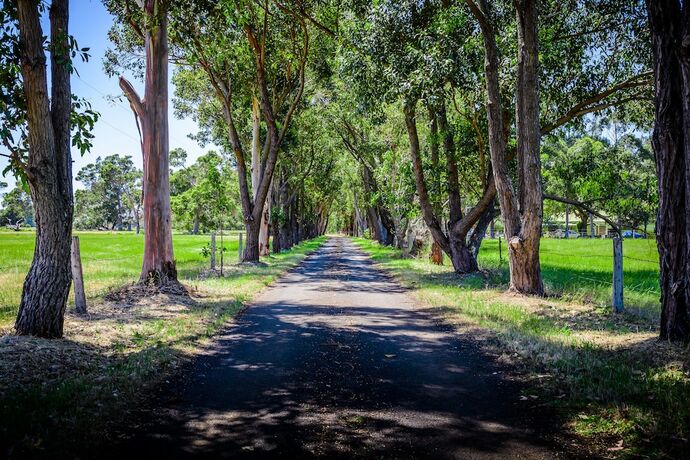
column 101, row 370
column 581, row 269
column 109, row 259
column 614, row 383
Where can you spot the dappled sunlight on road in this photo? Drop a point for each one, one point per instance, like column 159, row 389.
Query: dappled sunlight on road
column 336, row 360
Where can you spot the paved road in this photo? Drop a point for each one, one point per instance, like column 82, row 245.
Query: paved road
column 336, row 360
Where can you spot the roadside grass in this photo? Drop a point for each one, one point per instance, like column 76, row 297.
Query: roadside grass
column 581, row 270
column 56, row 395
column 109, row 260
column 620, row 391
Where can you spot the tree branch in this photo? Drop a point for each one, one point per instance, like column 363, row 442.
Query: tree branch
column 581, row 205
column 591, row 104
column 135, row 102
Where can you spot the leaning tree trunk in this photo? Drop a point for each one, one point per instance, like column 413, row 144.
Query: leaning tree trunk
column 46, row 287
column 521, row 217
column 256, row 175
column 152, row 115
column 454, row 244
column 479, row 230
column 669, row 26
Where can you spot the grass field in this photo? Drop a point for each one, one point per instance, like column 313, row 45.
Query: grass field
column 621, row 392
column 607, row 373
column 575, row 269
column 109, row 259
column 61, row 396
column 581, row 269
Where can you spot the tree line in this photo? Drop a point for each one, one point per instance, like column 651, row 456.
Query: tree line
column 369, row 113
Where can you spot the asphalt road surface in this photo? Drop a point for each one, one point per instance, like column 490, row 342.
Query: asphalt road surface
column 337, row 361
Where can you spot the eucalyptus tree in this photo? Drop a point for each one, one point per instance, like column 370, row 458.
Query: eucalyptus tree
column 38, row 117
column 414, row 50
column 616, row 179
column 16, row 209
column 306, row 179
column 205, row 196
column 246, row 51
column 421, row 52
column 364, row 142
column 669, row 22
column 146, row 23
column 579, row 75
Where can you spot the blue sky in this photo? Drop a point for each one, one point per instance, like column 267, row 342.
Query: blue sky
column 115, row 132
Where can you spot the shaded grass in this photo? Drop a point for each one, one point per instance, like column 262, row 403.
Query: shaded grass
column 616, row 385
column 106, row 361
column 109, row 260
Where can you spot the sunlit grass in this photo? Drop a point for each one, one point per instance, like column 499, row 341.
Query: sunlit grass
column 608, row 374
column 581, row 269
column 111, row 356
column 109, row 260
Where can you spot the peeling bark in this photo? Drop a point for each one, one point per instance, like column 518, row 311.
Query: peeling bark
column 152, row 115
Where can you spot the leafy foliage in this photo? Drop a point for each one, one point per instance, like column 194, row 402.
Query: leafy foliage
column 13, row 131
column 204, row 195
column 112, row 194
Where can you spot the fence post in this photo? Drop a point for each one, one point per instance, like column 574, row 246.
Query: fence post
column 567, row 219
column 213, row 250
column 239, row 249
column 617, row 294
column 78, row 278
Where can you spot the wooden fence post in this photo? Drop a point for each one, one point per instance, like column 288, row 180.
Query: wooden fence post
column 213, row 250
column 617, row 293
column 78, row 278
column 239, row 249
column 567, row 219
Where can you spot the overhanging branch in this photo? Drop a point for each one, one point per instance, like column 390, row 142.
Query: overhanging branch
column 580, row 204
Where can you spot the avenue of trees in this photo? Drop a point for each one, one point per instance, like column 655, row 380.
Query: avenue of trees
column 368, row 117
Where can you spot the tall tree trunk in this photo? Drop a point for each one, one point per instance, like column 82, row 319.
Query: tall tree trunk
column 425, row 203
column 669, row 25
column 195, row 227
column 251, row 248
column 49, row 170
column 479, row 230
column 256, row 147
column 524, row 245
column 256, row 175
column 152, row 114
column 521, row 216
column 374, row 227
column 275, row 224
